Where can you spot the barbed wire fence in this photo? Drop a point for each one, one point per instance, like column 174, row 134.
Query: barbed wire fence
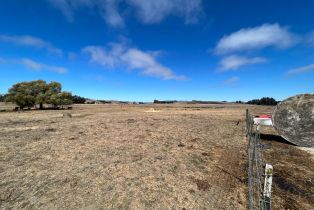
column 259, row 172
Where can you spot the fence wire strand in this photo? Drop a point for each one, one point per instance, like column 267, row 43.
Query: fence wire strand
column 256, row 166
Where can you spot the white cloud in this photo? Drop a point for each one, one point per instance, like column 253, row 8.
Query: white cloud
column 107, row 58
column 111, row 15
column 231, row 80
column 147, row 11
column 234, row 62
column 33, row 65
column 107, row 9
column 157, row 10
column 137, row 59
column 31, row 41
column 310, row 39
column 256, row 38
column 64, row 7
column 131, row 58
column 301, row 70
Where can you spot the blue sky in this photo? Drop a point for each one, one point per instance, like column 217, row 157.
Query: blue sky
column 141, row 50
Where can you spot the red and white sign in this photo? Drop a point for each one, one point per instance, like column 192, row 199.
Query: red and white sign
column 263, row 120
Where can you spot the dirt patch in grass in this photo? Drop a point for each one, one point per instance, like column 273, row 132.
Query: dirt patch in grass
column 202, row 184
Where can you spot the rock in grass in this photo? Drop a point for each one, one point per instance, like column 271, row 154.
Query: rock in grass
column 293, row 119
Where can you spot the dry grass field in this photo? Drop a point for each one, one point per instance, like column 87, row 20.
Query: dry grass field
column 132, row 157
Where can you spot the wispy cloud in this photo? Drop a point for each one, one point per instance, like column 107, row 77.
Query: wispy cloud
column 234, row 62
column 31, row 41
column 310, row 39
column 231, row 80
column 148, row 12
column 137, row 59
column 157, row 10
column 259, row 37
column 108, row 9
column 33, row 65
column 120, row 54
column 300, row 70
column 111, row 14
column 65, row 7
column 36, row 66
column 107, row 57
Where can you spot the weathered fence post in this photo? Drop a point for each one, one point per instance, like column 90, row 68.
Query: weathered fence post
column 266, row 201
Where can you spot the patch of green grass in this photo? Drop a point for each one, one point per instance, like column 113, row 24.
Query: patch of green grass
column 198, row 161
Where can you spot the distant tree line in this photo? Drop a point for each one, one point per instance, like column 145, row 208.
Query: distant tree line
column 263, row 101
column 165, row 102
column 207, row 102
column 78, row 99
column 38, row 92
column 240, row 102
column 105, row 102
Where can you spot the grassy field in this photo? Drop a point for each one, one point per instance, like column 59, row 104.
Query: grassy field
column 135, row 157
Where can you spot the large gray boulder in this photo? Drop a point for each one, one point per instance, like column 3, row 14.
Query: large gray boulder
column 293, row 119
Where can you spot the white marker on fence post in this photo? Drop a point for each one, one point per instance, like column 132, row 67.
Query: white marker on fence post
column 267, row 187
